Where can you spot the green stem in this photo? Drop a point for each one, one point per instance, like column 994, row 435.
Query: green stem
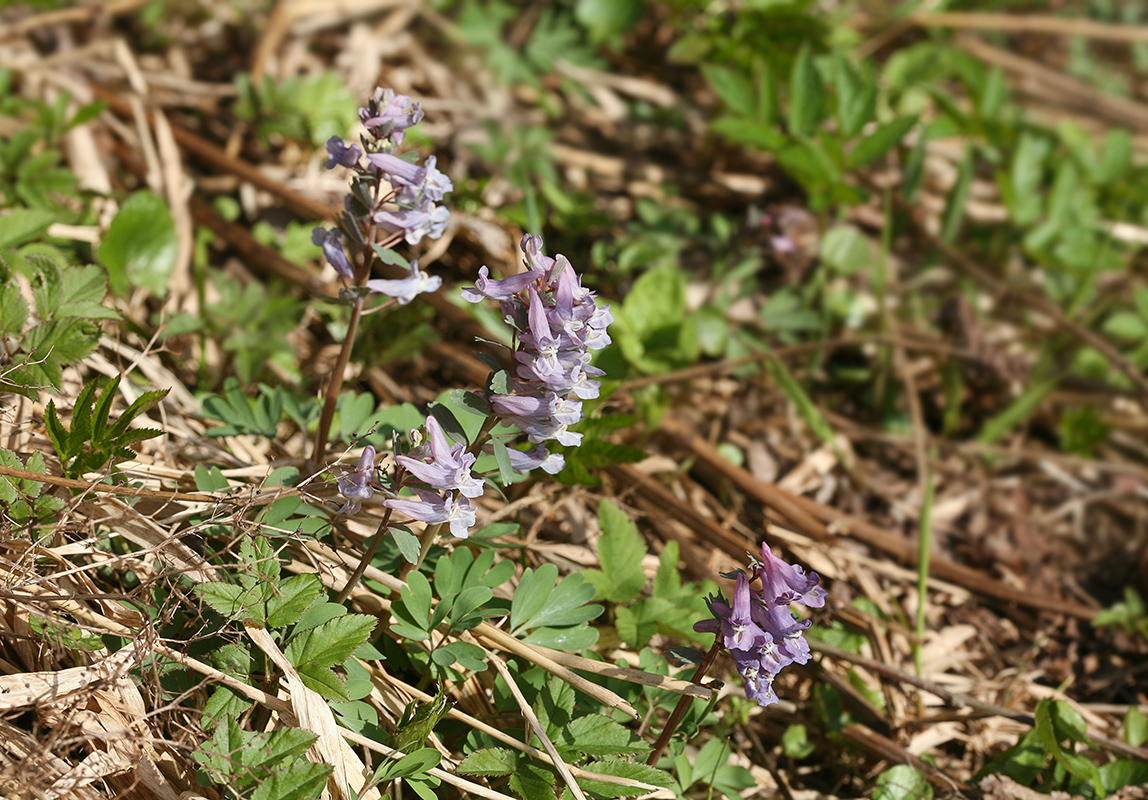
column 683, row 703
column 430, row 533
column 924, row 547
column 335, row 386
column 357, row 575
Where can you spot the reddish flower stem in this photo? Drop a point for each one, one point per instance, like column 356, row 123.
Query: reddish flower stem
column 683, row 703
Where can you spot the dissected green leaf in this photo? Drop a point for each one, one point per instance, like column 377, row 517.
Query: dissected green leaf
column 620, row 550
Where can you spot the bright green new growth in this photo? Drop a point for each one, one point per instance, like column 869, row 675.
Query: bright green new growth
column 93, row 439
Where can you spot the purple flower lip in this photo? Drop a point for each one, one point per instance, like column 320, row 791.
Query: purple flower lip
column 342, row 154
column 355, row 485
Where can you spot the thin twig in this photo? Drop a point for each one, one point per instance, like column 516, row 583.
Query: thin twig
column 536, row 726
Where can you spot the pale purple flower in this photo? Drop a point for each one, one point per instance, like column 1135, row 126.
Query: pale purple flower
column 758, row 680
column 757, row 630
column 435, row 184
column 400, row 172
column 356, row 485
column 532, row 249
column 529, row 460
column 557, row 323
column 406, row 289
column 787, row 583
column 388, row 115
column 416, row 222
column 523, row 405
column 332, row 243
column 741, row 633
column 487, row 289
column 342, row 154
column 445, row 466
column 435, row 510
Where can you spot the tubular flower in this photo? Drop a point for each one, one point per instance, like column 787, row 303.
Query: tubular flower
column 557, row 324
column 440, row 468
column 408, row 288
column 757, row 629
column 356, row 485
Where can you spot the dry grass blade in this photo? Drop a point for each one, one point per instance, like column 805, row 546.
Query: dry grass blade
column 313, row 714
column 536, row 726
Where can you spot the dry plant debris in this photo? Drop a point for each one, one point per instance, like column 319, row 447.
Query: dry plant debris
column 108, row 655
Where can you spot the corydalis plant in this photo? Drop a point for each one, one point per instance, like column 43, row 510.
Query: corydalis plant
column 392, row 199
column 556, row 324
column 757, row 629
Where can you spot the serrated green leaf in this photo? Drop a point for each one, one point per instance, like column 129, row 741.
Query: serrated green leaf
column 22, row 225
column 620, row 550
column 489, row 761
column 620, row 768
column 323, row 680
column 598, row 735
column 293, row 597
column 856, row 96
column 141, row 405
column 532, row 781
column 56, row 431
column 731, row 86
column 879, row 142
column 234, row 602
column 52, row 345
column 332, row 642
column 13, row 310
column 81, row 291
column 805, row 95
column 302, row 780
column 102, row 410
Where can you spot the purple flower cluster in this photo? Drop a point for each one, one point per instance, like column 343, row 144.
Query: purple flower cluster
column 408, row 209
column 758, row 630
column 437, row 469
column 556, row 324
column 442, row 467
